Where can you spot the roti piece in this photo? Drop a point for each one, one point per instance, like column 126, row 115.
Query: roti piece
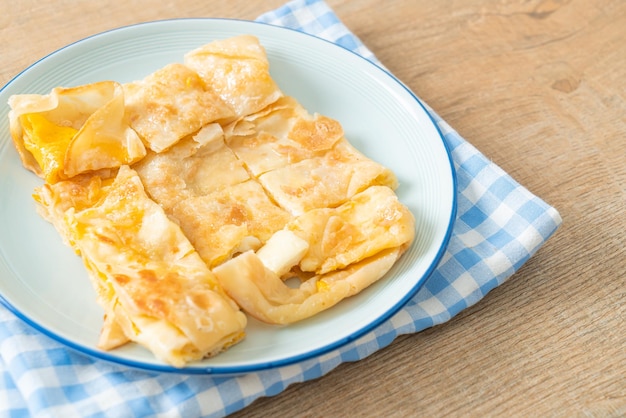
column 195, row 166
column 237, row 70
column 282, row 134
column 370, row 222
column 229, row 221
column 326, row 181
column 170, row 104
column 73, row 130
column 77, row 194
column 347, row 249
column 154, row 287
column 262, row 294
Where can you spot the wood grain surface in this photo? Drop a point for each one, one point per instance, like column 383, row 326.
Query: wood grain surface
column 540, row 88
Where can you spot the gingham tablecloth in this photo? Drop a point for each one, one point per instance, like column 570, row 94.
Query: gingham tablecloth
column 499, row 226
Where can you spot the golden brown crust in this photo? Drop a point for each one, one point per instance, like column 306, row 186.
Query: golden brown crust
column 347, row 248
column 195, row 166
column 281, row 134
column 325, row 181
column 264, row 296
column 148, row 277
column 73, row 130
column 222, row 223
column 170, row 104
column 370, row 222
column 237, row 70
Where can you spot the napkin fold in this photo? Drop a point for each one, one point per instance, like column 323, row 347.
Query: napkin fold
column 499, row 226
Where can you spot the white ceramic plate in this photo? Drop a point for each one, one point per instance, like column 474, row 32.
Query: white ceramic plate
column 45, row 284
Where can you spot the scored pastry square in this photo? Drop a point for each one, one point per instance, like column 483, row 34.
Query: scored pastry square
column 281, row 134
column 195, row 166
column 229, row 221
column 170, row 104
column 369, row 222
column 325, row 181
column 237, row 70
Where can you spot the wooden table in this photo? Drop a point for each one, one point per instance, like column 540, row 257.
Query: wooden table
column 540, row 88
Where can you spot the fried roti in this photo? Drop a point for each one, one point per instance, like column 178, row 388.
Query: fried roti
column 194, row 194
column 152, row 284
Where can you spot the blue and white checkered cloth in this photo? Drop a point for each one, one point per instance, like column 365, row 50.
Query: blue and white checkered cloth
column 499, row 226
